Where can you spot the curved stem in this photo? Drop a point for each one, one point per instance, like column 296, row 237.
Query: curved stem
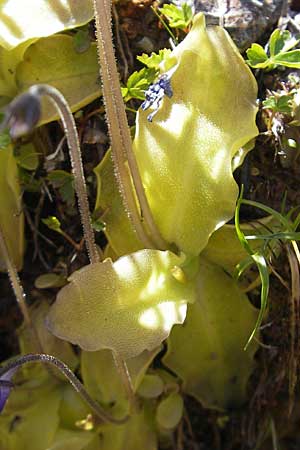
column 75, row 155
column 119, row 132
column 64, row 369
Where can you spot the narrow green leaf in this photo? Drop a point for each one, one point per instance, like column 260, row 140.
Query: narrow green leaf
column 264, row 276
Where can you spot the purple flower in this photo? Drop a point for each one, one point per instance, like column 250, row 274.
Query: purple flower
column 22, row 114
column 6, row 385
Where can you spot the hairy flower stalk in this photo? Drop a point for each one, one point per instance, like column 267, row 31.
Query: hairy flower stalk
column 24, row 113
column 14, row 279
column 122, row 154
column 119, row 133
column 9, row 370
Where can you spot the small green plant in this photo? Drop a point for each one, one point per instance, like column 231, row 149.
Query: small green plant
column 179, row 17
column 280, row 53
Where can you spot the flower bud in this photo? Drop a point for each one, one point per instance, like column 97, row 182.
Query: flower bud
column 22, row 114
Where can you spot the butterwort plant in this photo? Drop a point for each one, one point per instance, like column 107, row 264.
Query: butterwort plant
column 170, row 191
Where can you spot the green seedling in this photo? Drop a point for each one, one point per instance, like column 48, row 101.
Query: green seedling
column 280, row 53
column 179, row 17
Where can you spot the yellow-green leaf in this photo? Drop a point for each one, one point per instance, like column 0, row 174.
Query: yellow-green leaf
column 11, row 215
column 30, row 418
column 50, row 344
column 54, row 61
column 127, row 306
column 224, row 247
column 72, row 408
column 9, row 60
column 75, row 440
column 208, row 351
column 23, row 20
column 109, row 204
column 151, row 386
column 185, row 153
column 102, row 379
column 136, row 434
column 169, row 411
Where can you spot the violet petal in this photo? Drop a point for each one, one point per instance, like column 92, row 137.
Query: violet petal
column 6, row 385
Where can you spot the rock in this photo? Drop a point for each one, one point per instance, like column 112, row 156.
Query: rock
column 245, row 20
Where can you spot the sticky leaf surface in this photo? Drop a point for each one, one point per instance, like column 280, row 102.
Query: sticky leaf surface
column 11, row 216
column 75, row 440
column 128, row 306
column 74, row 74
column 30, row 410
column 185, row 153
column 208, row 351
column 24, row 20
column 138, row 433
column 109, row 204
column 103, row 381
column 224, row 247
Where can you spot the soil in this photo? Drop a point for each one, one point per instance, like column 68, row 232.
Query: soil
column 271, row 414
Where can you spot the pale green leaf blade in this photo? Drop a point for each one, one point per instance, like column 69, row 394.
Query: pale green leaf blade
column 27, row 156
column 185, row 153
column 137, row 434
column 75, row 440
column 224, row 247
column 76, row 75
column 24, row 20
column 208, row 351
column 11, row 215
column 103, row 382
column 72, row 408
column 109, row 206
column 151, row 386
column 127, row 306
column 170, row 411
column 50, row 344
column 37, row 410
column 257, row 57
column 9, row 60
